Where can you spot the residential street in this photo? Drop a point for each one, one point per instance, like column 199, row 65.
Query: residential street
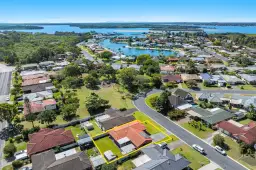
column 223, row 161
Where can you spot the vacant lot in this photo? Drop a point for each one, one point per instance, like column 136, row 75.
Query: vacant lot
column 203, row 133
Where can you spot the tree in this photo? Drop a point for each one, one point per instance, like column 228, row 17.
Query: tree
column 72, row 71
column 219, row 140
column 127, row 78
column 11, row 58
column 142, row 58
column 68, row 111
column 191, row 68
column 191, row 83
column 252, row 113
column 94, row 103
column 156, row 80
column 8, row 112
column 176, row 114
column 150, row 67
column 108, row 71
column 111, row 166
column 72, row 82
column 31, row 117
column 47, row 116
column 9, row 150
column 162, row 103
column 106, row 54
column 91, row 81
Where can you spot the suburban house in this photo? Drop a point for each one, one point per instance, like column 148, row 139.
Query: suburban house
column 39, row 80
column 48, row 161
column 46, row 139
column 133, row 133
column 179, row 103
column 183, row 95
column 37, row 87
column 112, row 118
column 250, row 79
column 165, row 69
column 217, row 79
column 245, row 133
column 186, row 77
column 156, row 158
column 46, row 64
column 39, row 96
column 210, row 116
column 212, row 98
column 172, row 78
column 232, row 80
column 198, row 60
column 40, row 106
column 173, row 60
column 205, row 77
column 32, row 66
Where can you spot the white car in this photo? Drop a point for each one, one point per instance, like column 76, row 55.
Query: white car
column 198, row 148
column 220, row 150
column 7, row 99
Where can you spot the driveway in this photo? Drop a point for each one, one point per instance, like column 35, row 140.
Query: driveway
column 223, row 161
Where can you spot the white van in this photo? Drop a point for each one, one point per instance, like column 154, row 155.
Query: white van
column 198, row 148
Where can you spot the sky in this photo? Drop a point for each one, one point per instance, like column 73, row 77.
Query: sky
column 58, row 11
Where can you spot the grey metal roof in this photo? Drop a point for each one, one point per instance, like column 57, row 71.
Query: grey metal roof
column 181, row 93
column 162, row 159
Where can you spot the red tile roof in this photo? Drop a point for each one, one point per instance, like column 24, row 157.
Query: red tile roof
column 246, row 133
column 38, row 106
column 39, row 80
column 46, row 139
column 171, row 78
column 34, row 76
column 173, row 59
column 167, row 68
column 133, row 131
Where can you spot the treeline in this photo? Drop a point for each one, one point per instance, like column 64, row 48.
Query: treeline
column 238, row 39
column 20, row 27
column 34, row 48
column 154, row 26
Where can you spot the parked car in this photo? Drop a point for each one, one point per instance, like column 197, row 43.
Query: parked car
column 198, row 148
column 163, row 145
column 21, row 155
column 7, row 99
column 220, row 150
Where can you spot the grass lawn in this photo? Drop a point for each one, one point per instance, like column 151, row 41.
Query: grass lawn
column 8, row 167
column 248, row 87
column 209, row 88
column 147, row 100
column 105, row 144
column 184, row 86
column 235, row 154
column 127, row 165
column 142, row 117
column 245, row 121
column 95, row 131
column 168, row 139
column 20, row 146
column 92, row 152
column 202, row 133
column 76, row 131
column 115, row 98
column 197, row 160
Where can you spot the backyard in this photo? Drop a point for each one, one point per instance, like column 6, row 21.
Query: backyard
column 104, row 144
column 76, row 131
column 203, row 133
column 197, row 160
column 96, row 130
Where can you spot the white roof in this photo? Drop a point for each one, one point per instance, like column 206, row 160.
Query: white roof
column 185, row 106
column 102, row 118
column 65, row 154
column 21, row 156
column 123, row 140
column 97, row 160
column 141, row 160
column 127, row 149
column 109, row 155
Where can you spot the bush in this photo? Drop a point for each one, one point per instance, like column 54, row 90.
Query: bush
column 176, row 114
column 171, row 85
column 17, row 164
column 123, row 109
column 9, row 150
column 18, row 138
column 26, row 132
column 153, row 100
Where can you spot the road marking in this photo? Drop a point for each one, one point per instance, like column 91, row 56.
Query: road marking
column 188, row 132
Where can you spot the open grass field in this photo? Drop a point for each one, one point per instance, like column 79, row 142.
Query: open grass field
column 234, row 152
column 248, row 87
column 116, row 98
column 201, row 134
column 105, row 144
column 197, row 160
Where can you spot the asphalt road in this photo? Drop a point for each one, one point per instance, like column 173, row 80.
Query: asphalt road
column 223, row 161
column 5, row 78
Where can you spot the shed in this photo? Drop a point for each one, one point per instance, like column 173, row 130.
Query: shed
column 109, row 155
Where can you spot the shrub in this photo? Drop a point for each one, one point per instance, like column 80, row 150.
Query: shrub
column 18, row 138
column 9, row 150
column 176, row 114
column 17, row 164
column 123, row 109
column 171, row 85
column 153, row 100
